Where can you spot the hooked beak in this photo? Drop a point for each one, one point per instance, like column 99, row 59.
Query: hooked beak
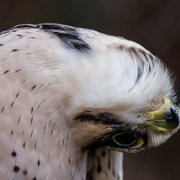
column 165, row 119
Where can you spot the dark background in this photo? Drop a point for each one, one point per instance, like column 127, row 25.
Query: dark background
column 155, row 24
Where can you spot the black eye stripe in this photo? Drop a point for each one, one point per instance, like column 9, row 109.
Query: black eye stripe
column 104, row 118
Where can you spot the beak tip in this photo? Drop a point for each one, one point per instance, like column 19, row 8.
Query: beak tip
column 174, row 118
column 169, row 120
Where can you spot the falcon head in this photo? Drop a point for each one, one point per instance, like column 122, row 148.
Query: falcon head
column 120, row 96
column 123, row 97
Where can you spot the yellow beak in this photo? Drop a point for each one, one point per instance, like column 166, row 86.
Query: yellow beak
column 165, row 119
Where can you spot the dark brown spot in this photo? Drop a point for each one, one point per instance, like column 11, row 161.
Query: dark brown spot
column 69, row 160
column 12, row 132
column 20, row 36
column 17, row 94
column 5, row 72
column 33, row 87
column 38, row 162
column 25, row 172
column 1, row 44
column 2, row 110
column 53, row 128
column 32, row 133
column 38, row 106
column 14, row 50
column 16, row 169
column 24, row 144
column 31, row 110
column 34, row 178
column 19, row 119
column 12, row 104
column 13, row 154
column 31, row 119
column 18, row 70
column 35, row 145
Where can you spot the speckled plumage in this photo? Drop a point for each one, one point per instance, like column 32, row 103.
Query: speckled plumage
column 49, row 74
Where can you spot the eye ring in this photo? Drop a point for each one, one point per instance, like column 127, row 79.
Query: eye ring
column 125, row 139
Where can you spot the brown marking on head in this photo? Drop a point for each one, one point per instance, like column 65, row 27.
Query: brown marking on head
column 86, row 132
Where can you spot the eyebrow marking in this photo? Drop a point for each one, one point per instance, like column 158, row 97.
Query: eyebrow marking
column 103, row 117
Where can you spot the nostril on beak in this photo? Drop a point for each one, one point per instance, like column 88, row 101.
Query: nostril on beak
column 172, row 118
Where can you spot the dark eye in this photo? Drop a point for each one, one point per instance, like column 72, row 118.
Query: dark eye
column 125, row 139
column 128, row 140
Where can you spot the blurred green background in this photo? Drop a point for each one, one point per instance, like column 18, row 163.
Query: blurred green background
column 155, row 24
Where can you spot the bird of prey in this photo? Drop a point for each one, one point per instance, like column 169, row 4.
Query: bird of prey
column 73, row 99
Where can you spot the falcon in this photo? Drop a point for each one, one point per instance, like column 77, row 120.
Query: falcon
column 72, row 100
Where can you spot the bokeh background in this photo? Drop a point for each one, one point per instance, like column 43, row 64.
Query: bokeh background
column 155, row 24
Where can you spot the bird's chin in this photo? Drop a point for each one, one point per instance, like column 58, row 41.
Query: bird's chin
column 156, row 139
